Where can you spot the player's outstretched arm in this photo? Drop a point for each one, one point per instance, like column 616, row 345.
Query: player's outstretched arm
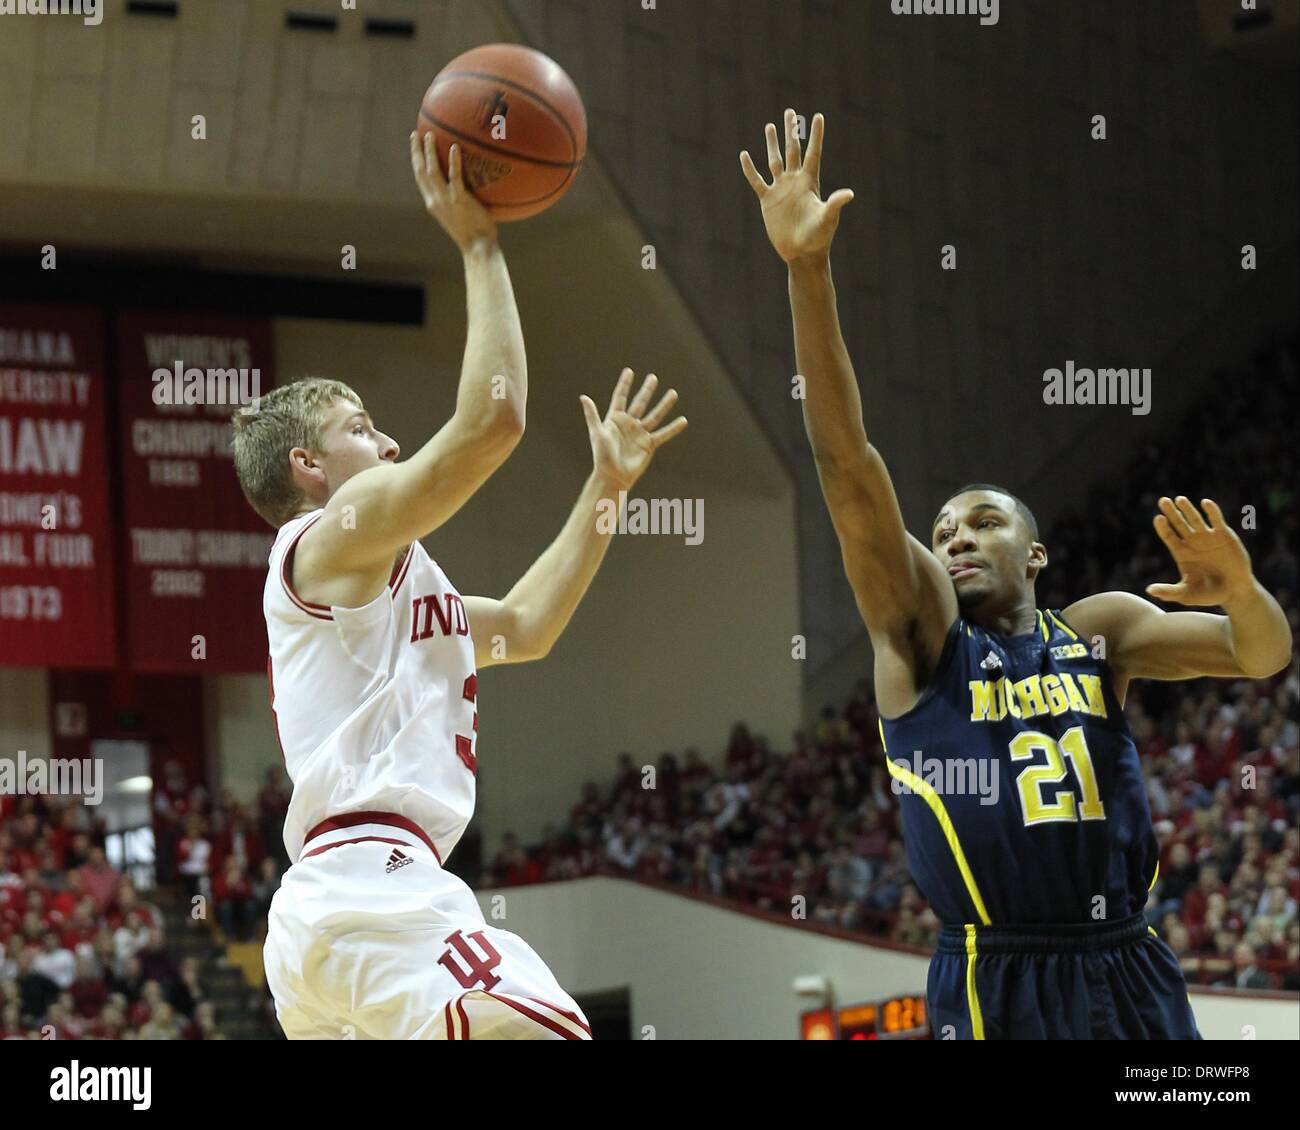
column 1144, row 642
column 377, row 512
column 527, row 622
column 901, row 591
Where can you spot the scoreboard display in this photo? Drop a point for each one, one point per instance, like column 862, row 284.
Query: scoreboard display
column 898, row 1018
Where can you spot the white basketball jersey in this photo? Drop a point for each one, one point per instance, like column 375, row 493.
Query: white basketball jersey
column 374, row 706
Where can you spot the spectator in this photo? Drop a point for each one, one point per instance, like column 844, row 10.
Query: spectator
column 186, row 992
column 1246, row 974
column 113, row 1020
column 10, row 881
column 848, row 878
column 624, row 847
column 265, row 886
column 205, row 1023
column 233, row 895
column 171, row 800
column 128, row 900
column 1197, row 900
column 162, row 1023
column 36, row 991
column 155, row 962
column 194, row 855
column 11, row 1022
column 78, row 933
column 9, row 958
column 130, row 938
column 1180, row 875
column 99, row 880
column 55, row 962
column 89, row 990
column 148, row 1003
column 234, row 835
column 129, row 980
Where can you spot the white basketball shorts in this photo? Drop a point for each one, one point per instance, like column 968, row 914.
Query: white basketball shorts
column 371, row 939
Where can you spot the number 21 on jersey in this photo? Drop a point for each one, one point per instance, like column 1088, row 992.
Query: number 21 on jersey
column 1066, row 807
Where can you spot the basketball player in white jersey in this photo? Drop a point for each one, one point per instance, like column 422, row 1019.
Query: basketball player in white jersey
column 372, row 669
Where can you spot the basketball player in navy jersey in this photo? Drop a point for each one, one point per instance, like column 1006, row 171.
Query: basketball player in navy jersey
column 1023, row 808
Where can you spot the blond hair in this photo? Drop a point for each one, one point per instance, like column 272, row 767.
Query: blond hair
column 266, row 431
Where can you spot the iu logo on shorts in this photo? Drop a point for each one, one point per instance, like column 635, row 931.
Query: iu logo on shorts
column 479, row 973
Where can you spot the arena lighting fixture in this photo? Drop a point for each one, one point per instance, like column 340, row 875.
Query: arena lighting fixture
column 134, row 785
column 815, row 987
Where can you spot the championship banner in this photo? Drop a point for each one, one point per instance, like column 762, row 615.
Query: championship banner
column 194, row 550
column 56, row 554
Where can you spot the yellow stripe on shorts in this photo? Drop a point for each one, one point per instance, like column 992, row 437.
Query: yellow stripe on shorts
column 972, row 995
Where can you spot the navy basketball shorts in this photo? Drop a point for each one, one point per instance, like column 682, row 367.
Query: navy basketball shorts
column 1062, row 982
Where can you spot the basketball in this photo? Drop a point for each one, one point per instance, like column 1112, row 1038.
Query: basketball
column 519, row 121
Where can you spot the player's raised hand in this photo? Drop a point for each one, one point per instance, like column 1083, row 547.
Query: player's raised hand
column 624, row 442
column 447, row 199
column 1213, row 565
column 799, row 222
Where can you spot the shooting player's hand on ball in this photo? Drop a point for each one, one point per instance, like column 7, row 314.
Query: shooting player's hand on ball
column 624, row 442
column 799, row 223
column 447, row 199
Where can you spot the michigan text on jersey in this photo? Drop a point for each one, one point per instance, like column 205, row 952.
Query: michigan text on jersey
column 993, row 700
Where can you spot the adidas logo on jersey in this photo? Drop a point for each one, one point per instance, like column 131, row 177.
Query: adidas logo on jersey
column 396, row 860
column 991, row 662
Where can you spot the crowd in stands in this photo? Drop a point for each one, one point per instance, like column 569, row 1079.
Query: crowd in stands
column 82, row 956
column 1221, row 758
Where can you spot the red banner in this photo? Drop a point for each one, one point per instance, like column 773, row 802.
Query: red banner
column 56, row 568
column 195, row 551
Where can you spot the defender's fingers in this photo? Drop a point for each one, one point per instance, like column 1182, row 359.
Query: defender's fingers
column 1171, row 593
column 642, row 398
column 1215, row 516
column 661, row 409
column 589, row 411
column 813, row 161
column 774, row 163
column 1176, row 520
column 1166, row 533
column 793, row 147
column 618, row 401
column 838, row 199
column 756, row 182
column 1190, row 514
column 669, row 431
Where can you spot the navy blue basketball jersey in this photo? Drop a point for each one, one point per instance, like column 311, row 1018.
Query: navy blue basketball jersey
column 1020, row 791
